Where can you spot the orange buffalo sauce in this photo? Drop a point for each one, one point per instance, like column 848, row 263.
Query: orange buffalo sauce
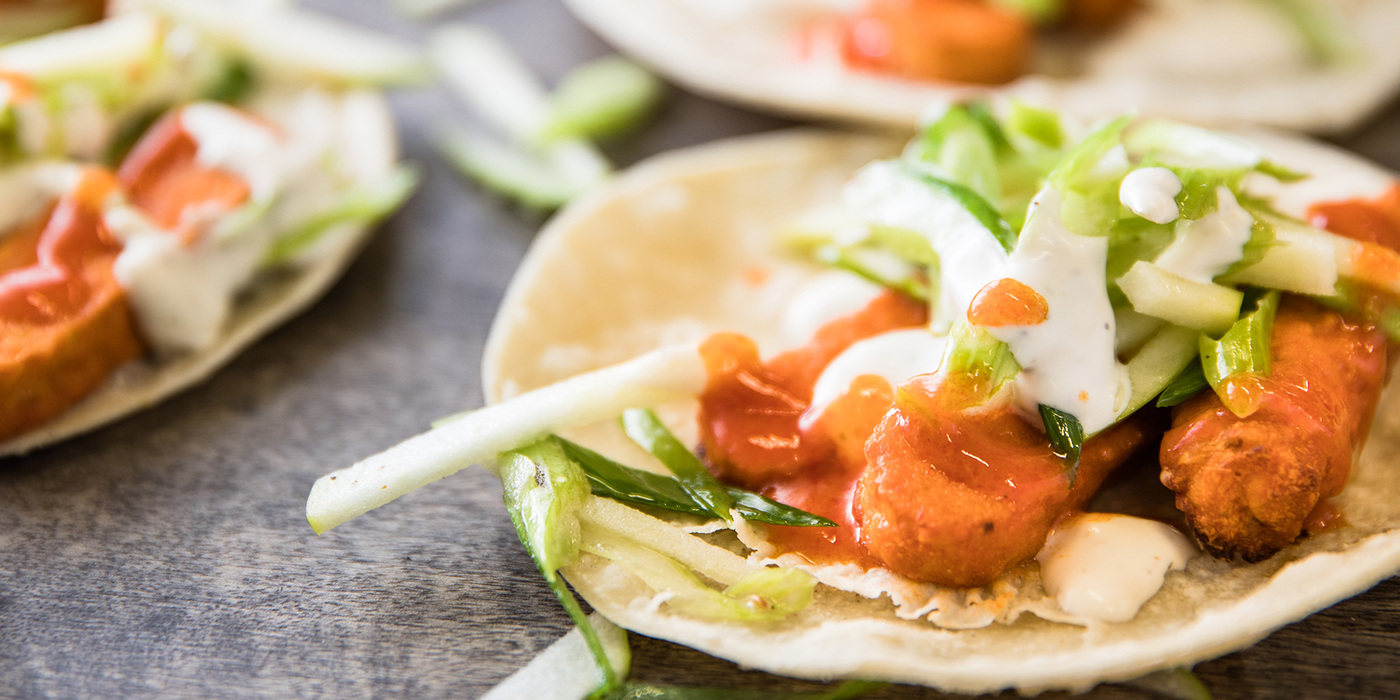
column 749, row 423
column 64, row 322
column 916, row 483
column 956, row 496
column 163, row 176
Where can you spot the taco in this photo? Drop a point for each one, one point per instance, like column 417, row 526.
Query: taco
column 169, row 195
column 1313, row 66
column 956, row 390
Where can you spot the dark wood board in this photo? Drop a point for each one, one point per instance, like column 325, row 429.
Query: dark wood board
column 167, row 555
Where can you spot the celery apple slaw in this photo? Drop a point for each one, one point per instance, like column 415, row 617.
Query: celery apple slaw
column 1155, row 254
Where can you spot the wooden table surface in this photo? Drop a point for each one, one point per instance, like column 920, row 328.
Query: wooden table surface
column 168, row 556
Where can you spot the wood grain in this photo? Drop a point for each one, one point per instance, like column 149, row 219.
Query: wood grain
column 167, row 556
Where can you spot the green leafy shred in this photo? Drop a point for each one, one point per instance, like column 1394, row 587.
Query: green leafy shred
column 1242, row 350
column 1066, row 438
column 1188, row 383
column 610, row 479
column 543, row 491
column 646, row 429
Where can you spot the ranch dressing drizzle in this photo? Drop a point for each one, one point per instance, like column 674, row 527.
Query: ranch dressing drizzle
column 236, row 143
column 1151, row 193
column 821, row 300
column 1105, row 566
column 897, row 356
column 1068, row 360
column 881, row 194
column 1208, row 246
column 182, row 294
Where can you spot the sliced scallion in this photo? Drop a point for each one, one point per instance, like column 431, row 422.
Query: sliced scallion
column 610, row 479
column 1066, row 438
column 543, row 490
column 646, row 429
column 1190, row 382
column 1242, row 351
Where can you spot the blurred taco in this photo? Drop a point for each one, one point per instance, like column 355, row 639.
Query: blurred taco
column 1310, row 65
column 964, row 366
column 169, row 196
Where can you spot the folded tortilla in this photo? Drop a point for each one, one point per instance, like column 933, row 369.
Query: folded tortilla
column 1208, row 61
column 686, row 244
column 275, row 297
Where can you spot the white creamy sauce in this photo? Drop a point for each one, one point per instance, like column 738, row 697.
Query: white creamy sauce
column 1151, row 193
column 969, row 258
column 896, row 355
column 1206, row 247
column 821, row 300
column 231, row 141
column 1106, row 566
column 1068, row 361
column 181, row 295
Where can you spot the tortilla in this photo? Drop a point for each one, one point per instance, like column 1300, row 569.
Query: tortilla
column 273, row 299
column 684, row 245
column 1229, row 70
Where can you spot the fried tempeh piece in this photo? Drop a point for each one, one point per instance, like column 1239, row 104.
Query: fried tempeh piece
column 64, row 321
column 1248, row 485
column 958, row 497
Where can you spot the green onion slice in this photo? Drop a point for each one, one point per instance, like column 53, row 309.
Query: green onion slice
column 543, row 490
column 610, row 479
column 1242, row 350
column 1190, row 382
column 1066, row 437
column 646, row 429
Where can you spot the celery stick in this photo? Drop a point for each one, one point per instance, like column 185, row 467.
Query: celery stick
column 567, row 667
column 1171, row 297
column 287, row 40
column 1160, row 361
column 116, row 46
column 662, row 375
column 1301, row 259
column 510, row 172
column 602, row 98
column 1243, row 350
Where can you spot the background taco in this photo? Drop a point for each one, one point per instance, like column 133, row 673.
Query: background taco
column 241, row 184
column 1301, row 65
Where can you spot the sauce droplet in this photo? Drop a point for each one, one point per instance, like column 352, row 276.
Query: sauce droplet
column 1008, row 302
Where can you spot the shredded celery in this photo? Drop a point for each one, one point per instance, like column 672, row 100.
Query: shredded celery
column 364, row 205
column 544, row 491
column 1041, row 126
column 602, row 98
column 961, row 148
column 510, row 172
column 1242, row 350
column 1159, row 364
column 978, row 356
column 766, row 595
column 1088, row 179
